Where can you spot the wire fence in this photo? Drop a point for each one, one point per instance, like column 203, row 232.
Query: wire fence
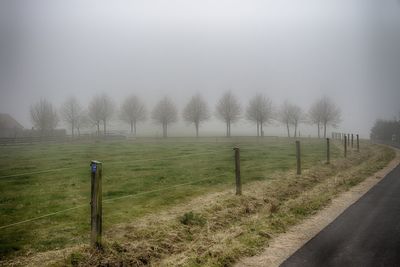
column 222, row 154
column 111, row 163
column 108, row 200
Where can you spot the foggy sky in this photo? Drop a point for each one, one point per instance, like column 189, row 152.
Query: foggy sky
column 286, row 49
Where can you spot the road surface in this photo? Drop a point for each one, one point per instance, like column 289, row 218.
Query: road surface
column 366, row 234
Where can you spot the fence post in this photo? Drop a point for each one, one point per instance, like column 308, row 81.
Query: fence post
column 328, row 151
column 345, row 146
column 352, row 139
column 96, row 204
column 358, row 143
column 298, row 155
column 237, row 171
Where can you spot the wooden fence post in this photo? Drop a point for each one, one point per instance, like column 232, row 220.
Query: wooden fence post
column 352, row 139
column 358, row 143
column 345, row 146
column 298, row 155
column 328, row 151
column 96, row 204
column 237, row 171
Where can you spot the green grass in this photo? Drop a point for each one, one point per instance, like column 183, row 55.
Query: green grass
column 129, row 168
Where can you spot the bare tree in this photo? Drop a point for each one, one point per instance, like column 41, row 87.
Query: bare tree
column 107, row 110
column 82, row 121
column 291, row 115
column 196, row 111
column 165, row 113
column 101, row 109
column 324, row 113
column 315, row 115
column 285, row 115
column 94, row 112
column 228, row 110
column 133, row 111
column 297, row 116
column 330, row 113
column 70, row 112
column 44, row 116
column 260, row 111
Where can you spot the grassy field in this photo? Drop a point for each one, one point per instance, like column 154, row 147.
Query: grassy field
column 36, row 180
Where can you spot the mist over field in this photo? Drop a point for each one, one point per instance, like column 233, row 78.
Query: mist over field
column 287, row 50
column 199, row 132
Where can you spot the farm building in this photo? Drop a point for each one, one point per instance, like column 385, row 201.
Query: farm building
column 9, row 127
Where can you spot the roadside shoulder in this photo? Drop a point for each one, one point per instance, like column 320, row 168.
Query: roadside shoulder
column 284, row 245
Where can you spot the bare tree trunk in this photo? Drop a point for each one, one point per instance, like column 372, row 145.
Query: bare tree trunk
column 261, row 128
column 295, row 130
column 227, row 129
column 98, row 128
column 197, row 129
column 258, row 129
column 288, row 130
column 131, row 126
column 72, row 129
column 104, row 124
column 134, row 126
column 319, row 131
column 165, row 130
column 324, row 129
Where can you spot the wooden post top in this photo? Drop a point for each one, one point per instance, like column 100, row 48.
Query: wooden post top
column 94, row 164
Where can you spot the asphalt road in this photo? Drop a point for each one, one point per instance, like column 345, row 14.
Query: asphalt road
column 366, row 234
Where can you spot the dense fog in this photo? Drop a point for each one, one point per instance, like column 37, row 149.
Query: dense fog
column 291, row 50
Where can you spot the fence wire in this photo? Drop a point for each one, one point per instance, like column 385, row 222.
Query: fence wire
column 106, row 201
column 113, row 164
column 115, row 198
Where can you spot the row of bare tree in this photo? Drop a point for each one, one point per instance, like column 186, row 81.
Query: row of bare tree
column 260, row 110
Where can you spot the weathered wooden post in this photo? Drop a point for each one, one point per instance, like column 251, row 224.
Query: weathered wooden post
column 96, row 204
column 358, row 143
column 237, row 171
column 352, row 139
column 328, row 151
column 345, row 146
column 298, row 155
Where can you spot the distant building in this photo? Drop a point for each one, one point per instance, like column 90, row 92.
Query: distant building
column 9, row 127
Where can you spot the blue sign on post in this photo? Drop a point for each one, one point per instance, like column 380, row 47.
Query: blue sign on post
column 94, row 167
